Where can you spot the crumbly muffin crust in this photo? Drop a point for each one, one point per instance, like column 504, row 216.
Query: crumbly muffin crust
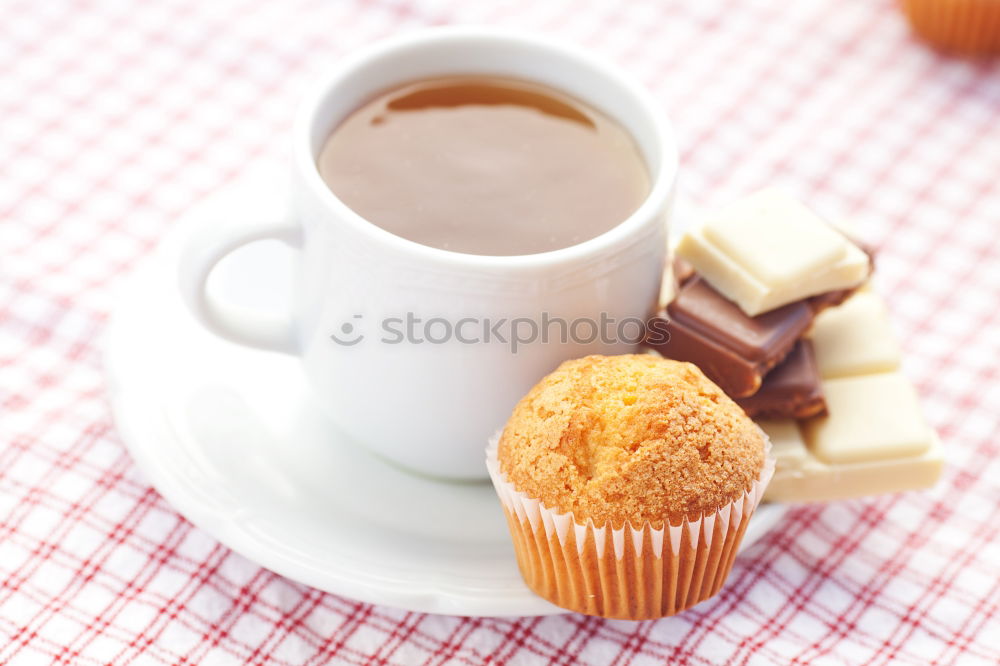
column 631, row 438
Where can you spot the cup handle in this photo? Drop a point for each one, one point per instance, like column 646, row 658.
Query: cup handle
column 203, row 249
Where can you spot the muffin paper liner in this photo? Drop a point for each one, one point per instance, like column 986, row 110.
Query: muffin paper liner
column 626, row 573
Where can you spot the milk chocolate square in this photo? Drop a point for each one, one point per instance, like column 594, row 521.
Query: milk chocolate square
column 791, row 390
column 733, row 349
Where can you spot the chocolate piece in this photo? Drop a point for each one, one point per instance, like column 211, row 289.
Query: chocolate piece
column 724, row 367
column 855, row 338
column 769, row 250
column 734, row 350
column 791, row 390
column 677, row 274
column 836, row 297
column 872, row 417
column 873, row 438
column 683, row 271
column 764, row 339
column 801, row 476
column 831, row 299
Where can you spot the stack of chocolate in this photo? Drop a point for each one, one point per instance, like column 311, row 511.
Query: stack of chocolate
column 749, row 284
column 772, row 303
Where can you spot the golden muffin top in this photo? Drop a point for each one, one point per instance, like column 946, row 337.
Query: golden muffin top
column 630, row 438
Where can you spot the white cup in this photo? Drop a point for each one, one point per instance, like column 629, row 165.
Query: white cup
column 431, row 406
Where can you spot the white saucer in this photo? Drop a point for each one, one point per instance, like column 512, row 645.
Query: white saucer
column 231, row 437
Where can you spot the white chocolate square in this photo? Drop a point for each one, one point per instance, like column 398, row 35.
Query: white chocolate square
column 768, row 250
column 774, row 237
column 871, row 417
column 815, row 481
column 787, row 445
column 855, row 338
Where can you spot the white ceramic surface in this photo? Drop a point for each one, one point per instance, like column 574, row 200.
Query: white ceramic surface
column 428, row 406
column 235, row 440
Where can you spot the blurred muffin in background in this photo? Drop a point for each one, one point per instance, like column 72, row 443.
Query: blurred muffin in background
column 970, row 27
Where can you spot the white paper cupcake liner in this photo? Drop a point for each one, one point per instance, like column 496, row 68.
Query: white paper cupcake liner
column 626, row 573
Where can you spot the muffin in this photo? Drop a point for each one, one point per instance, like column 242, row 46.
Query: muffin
column 628, row 482
column 961, row 26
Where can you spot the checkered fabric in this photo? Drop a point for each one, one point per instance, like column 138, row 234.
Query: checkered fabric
column 117, row 115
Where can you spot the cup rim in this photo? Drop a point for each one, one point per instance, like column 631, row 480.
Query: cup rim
column 620, row 234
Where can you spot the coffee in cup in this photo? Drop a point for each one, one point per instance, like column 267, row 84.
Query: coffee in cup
column 485, row 165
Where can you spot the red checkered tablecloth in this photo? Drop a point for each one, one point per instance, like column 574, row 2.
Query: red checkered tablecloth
column 117, row 115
